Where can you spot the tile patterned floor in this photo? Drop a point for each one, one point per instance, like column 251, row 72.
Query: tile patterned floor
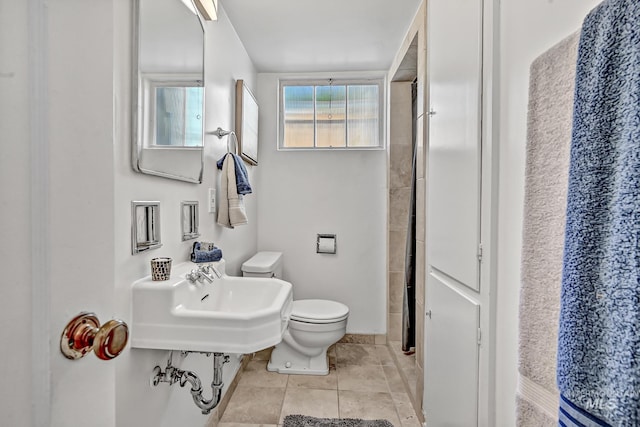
column 363, row 382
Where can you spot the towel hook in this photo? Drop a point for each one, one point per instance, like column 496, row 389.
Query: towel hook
column 221, row 133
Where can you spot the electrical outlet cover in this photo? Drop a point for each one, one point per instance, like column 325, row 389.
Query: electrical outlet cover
column 212, row 200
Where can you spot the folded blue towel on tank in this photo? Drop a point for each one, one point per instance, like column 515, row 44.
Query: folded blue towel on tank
column 205, row 254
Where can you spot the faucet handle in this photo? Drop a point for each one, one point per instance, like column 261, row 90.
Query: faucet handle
column 193, row 276
column 208, row 268
column 215, row 271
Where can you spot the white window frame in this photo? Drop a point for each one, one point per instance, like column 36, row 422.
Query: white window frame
column 379, row 81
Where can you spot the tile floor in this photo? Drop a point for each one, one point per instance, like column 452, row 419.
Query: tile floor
column 363, row 382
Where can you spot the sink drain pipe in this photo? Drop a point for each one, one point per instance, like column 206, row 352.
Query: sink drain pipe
column 173, row 375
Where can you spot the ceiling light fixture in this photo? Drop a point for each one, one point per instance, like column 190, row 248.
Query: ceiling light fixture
column 208, row 9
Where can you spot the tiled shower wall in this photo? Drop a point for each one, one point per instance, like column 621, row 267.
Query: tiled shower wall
column 399, row 199
column 401, row 153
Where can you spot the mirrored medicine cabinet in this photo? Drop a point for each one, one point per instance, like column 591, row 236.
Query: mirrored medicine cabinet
column 168, row 90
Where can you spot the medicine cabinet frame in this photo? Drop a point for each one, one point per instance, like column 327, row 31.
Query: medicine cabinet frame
column 189, row 212
column 145, row 226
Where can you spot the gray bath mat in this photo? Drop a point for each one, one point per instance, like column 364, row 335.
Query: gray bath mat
column 305, row 421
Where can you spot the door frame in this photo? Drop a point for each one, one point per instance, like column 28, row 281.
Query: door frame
column 40, row 234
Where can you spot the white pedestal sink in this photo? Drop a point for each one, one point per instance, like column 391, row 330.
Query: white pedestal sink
column 230, row 315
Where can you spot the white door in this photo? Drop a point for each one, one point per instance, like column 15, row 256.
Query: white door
column 73, row 206
column 455, row 54
column 453, row 213
column 452, row 326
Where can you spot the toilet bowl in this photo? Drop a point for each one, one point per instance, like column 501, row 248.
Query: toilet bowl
column 314, row 324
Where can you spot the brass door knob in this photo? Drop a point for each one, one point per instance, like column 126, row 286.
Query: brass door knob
column 84, row 333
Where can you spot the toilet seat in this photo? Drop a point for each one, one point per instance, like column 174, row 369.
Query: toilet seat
column 318, row 311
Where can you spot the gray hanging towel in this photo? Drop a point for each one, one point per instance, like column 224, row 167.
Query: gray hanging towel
column 551, row 87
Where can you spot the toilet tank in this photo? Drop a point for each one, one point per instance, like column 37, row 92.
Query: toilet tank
column 263, row 264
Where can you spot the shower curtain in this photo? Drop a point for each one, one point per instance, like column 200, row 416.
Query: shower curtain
column 409, row 298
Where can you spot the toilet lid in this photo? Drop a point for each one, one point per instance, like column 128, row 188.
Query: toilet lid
column 318, row 311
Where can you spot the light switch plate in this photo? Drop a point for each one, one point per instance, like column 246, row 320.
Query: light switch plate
column 212, row 200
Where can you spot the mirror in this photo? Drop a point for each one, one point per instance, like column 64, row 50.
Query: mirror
column 168, row 92
column 247, row 123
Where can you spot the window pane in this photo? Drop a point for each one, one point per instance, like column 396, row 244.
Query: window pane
column 363, row 127
column 179, row 116
column 193, row 117
column 170, row 116
column 330, row 116
column 298, row 116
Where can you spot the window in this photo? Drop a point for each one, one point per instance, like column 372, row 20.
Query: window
column 178, row 116
column 331, row 114
column 172, row 112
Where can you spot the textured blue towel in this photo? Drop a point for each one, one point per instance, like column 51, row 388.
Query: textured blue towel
column 206, row 256
column 599, row 334
column 242, row 177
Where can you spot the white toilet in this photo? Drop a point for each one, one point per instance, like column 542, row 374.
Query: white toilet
column 314, row 324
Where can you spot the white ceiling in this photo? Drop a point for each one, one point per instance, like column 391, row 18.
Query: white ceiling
column 328, row 35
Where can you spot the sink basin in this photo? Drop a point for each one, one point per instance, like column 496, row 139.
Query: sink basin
column 230, row 315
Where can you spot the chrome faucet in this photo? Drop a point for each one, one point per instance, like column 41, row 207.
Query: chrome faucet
column 206, row 272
